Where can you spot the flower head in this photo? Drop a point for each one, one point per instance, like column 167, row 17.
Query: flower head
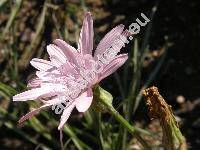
column 71, row 73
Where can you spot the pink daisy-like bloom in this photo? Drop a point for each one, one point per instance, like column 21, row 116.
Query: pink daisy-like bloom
column 63, row 78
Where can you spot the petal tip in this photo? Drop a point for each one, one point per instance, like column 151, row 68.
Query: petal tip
column 60, row 127
column 58, row 40
column 88, row 13
column 15, row 98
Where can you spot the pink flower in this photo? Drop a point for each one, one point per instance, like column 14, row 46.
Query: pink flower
column 57, row 80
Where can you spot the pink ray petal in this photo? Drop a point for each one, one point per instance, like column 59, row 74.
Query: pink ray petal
column 45, row 89
column 41, row 74
column 84, row 101
column 31, row 94
column 68, row 50
column 57, row 56
column 33, row 83
column 41, row 64
column 48, row 76
column 66, row 113
column 32, row 113
column 118, row 44
column 85, row 44
column 64, row 46
column 108, row 40
column 113, row 66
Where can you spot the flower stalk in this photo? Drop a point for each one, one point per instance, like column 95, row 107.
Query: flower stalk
column 104, row 98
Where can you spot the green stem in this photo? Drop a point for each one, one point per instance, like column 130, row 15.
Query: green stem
column 178, row 136
column 126, row 124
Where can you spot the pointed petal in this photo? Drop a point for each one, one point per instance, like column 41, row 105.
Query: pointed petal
column 108, row 40
column 41, row 64
column 30, row 94
column 57, row 56
column 66, row 113
column 37, row 110
column 119, row 43
column 32, row 113
column 41, row 74
column 45, row 74
column 65, row 47
column 33, row 83
column 61, row 80
column 113, row 66
column 68, row 50
column 85, row 44
column 47, row 89
column 84, row 101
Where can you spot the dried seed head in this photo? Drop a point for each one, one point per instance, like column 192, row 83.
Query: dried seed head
column 158, row 108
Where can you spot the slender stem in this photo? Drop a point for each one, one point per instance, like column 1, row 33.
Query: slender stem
column 126, row 124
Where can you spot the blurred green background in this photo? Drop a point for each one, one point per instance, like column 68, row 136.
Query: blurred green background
column 165, row 53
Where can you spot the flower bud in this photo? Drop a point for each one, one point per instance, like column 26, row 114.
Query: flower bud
column 101, row 97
